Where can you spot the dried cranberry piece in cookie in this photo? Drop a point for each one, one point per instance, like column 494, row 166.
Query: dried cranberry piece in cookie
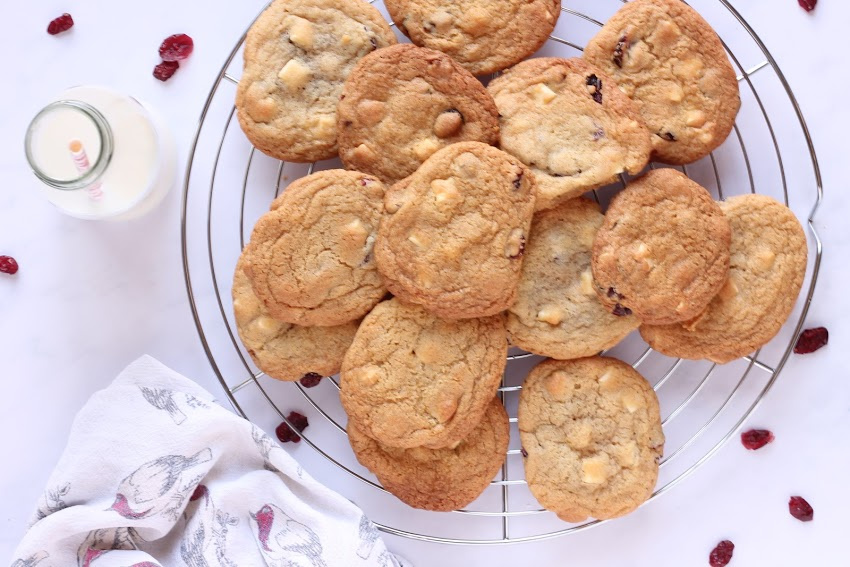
column 801, row 509
column 721, row 555
column 756, row 438
column 811, row 340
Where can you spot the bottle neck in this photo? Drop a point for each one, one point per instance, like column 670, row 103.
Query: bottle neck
column 49, row 139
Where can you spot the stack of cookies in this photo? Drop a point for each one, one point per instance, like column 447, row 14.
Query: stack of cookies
column 459, row 226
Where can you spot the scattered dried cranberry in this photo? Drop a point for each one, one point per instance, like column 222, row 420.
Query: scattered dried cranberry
column 200, row 492
column 285, row 433
column 756, row 438
column 60, row 24
column 811, row 340
column 176, row 47
column 801, row 509
column 721, row 555
column 807, row 5
column 8, row 265
column 165, row 70
column 311, row 380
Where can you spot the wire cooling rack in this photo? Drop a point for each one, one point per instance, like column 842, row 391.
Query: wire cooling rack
column 228, row 185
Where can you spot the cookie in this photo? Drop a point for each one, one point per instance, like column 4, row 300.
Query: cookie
column 569, row 123
column 662, row 251
column 591, row 435
column 454, row 232
column 281, row 350
column 439, row 479
column 557, row 313
column 669, row 60
column 402, row 104
column 411, row 379
column 310, row 259
column 484, row 36
column 768, row 265
column 297, row 56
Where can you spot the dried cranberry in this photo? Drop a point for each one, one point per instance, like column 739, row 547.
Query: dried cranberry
column 756, row 438
column 669, row 136
column 285, row 433
column 612, row 293
column 801, row 509
column 811, row 340
column 621, row 311
column 165, row 70
column 596, row 83
column 200, row 492
column 807, row 5
column 523, row 451
column 60, row 24
column 518, row 180
column 622, row 45
column 311, row 380
column 721, row 555
column 176, row 47
column 8, row 265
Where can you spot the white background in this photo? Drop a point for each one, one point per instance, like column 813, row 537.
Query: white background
column 91, row 297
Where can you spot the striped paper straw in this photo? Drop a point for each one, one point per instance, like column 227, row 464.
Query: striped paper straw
column 81, row 161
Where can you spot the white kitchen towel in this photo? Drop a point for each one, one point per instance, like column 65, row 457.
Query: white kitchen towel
column 155, row 473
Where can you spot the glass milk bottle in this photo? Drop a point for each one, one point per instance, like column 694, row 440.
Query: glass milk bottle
column 101, row 154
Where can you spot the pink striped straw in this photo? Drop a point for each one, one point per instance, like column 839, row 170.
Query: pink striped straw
column 81, row 161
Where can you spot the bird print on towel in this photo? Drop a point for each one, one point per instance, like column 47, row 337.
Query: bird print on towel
column 164, row 400
column 368, row 537
column 32, row 560
column 159, row 486
column 285, row 542
column 206, row 531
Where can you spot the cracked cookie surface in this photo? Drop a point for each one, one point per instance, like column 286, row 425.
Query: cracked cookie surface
column 557, row 312
column 411, row 379
column 592, row 431
column 297, row 56
column 455, row 231
column 662, row 251
column 439, row 479
column 402, row 104
column 484, row 36
column 310, row 259
column 669, row 60
column 768, row 264
column 570, row 124
column 282, row 350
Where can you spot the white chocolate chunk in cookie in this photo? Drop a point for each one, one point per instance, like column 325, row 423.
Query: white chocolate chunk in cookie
column 294, row 74
column 267, row 325
column 445, row 190
column 729, row 290
column 695, row 118
column 448, row 123
column 425, row 148
column 370, row 112
column 323, row 125
column 542, row 93
column 631, row 401
column 301, row 33
column 551, row 314
column 441, row 20
column 587, row 283
column 594, row 470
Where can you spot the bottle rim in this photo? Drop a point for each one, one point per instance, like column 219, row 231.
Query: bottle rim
column 99, row 163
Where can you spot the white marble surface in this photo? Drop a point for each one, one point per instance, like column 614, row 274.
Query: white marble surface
column 91, row 297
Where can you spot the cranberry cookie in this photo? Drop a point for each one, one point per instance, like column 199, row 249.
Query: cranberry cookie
column 310, row 259
column 454, row 232
column 568, row 122
column 297, row 55
column 411, row 379
column 484, row 36
column 439, row 479
column 591, row 430
column 669, row 60
column 768, row 265
column 281, row 350
column 662, row 251
column 557, row 312
column 402, row 104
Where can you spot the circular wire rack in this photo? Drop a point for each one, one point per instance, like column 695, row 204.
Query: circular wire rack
column 229, row 184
